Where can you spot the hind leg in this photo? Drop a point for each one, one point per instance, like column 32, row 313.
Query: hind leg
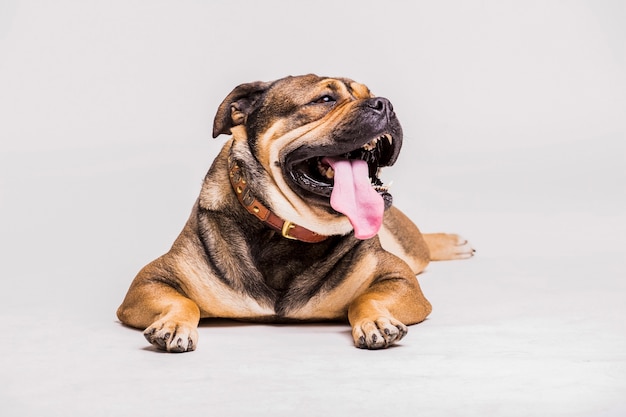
column 401, row 237
column 447, row 246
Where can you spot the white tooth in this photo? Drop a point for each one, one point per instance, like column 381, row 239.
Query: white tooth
column 383, row 187
column 370, row 145
column 389, row 138
column 330, row 173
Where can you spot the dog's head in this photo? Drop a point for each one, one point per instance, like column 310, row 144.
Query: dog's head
column 318, row 145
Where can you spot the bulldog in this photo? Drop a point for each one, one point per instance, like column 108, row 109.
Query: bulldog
column 293, row 223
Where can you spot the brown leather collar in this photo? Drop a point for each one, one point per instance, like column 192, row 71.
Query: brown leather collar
column 249, row 201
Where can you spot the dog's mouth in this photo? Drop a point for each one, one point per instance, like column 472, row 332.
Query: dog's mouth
column 317, row 175
column 347, row 178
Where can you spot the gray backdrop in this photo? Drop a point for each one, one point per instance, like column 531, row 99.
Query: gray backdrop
column 513, row 113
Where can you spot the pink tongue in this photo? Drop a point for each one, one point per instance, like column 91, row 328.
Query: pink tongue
column 354, row 196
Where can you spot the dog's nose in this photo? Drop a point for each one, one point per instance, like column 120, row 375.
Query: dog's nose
column 380, row 105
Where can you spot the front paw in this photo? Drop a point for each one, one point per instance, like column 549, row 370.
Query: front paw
column 172, row 337
column 378, row 334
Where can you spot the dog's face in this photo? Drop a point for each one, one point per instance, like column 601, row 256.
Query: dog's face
column 321, row 143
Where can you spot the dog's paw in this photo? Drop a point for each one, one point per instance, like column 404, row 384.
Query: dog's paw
column 172, row 337
column 378, row 334
column 448, row 246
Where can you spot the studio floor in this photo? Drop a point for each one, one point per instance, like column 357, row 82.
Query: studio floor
column 519, row 335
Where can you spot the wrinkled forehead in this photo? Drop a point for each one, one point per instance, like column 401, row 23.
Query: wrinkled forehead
column 358, row 90
column 305, row 86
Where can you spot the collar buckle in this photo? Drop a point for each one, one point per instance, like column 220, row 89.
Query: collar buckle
column 287, row 226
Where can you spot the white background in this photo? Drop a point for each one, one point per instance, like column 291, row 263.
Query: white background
column 515, row 136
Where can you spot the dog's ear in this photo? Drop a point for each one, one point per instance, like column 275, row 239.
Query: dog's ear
column 237, row 106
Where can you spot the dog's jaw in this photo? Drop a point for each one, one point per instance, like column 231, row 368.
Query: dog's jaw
column 314, row 215
column 297, row 158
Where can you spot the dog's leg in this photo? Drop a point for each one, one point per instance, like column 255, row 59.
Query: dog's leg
column 444, row 246
column 169, row 318
column 379, row 316
column 400, row 236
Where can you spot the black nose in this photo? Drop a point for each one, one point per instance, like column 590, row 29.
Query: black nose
column 380, row 105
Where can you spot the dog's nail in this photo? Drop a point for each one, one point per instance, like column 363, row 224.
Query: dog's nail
column 362, row 341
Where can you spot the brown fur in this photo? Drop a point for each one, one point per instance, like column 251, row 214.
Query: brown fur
column 227, row 263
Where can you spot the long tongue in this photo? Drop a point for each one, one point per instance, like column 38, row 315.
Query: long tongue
column 354, row 196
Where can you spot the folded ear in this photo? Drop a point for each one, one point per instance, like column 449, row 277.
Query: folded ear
column 237, row 106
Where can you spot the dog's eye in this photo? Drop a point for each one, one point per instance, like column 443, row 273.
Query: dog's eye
column 324, row 99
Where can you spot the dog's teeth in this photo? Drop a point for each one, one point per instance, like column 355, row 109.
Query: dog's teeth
column 383, row 187
column 325, row 170
column 370, row 145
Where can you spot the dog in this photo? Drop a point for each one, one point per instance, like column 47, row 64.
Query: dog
column 293, row 223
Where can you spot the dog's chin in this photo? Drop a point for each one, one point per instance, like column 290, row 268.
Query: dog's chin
column 311, row 177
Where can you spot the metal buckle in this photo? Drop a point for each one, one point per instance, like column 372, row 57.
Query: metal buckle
column 287, row 226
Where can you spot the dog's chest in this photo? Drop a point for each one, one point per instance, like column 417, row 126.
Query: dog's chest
column 283, row 282
column 282, row 261
column 296, row 272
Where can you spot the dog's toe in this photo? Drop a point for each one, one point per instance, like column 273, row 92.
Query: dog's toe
column 172, row 337
column 379, row 333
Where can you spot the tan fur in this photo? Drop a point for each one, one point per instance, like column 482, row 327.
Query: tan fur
column 214, row 270
column 448, row 246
